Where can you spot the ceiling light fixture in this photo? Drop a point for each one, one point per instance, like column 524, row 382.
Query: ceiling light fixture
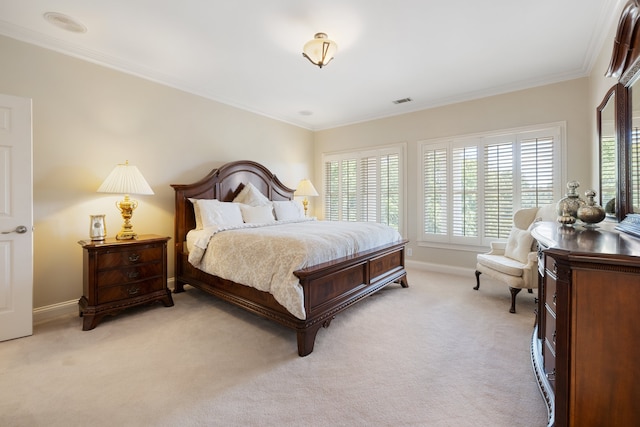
column 320, row 50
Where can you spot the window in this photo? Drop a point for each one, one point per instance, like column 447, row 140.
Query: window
column 471, row 186
column 365, row 186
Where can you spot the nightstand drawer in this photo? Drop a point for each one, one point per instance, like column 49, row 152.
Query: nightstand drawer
column 131, row 274
column 130, row 290
column 120, row 258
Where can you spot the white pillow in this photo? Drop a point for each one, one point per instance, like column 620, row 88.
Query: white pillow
column 196, row 211
column 257, row 214
column 518, row 245
column 288, row 209
column 251, row 196
column 214, row 212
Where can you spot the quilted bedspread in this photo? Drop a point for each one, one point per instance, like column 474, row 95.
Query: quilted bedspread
column 264, row 256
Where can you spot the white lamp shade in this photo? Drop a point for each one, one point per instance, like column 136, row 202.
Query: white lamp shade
column 125, row 179
column 306, row 188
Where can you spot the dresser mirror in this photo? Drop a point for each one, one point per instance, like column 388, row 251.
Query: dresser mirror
column 608, row 139
column 633, row 146
column 625, row 66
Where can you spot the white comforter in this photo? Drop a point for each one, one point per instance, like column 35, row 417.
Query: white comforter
column 264, row 256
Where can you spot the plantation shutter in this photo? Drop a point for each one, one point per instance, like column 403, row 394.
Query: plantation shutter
column 635, row 168
column 349, row 190
column 434, row 170
column 498, row 189
column 332, row 190
column 390, row 190
column 536, row 172
column 465, row 191
column 369, row 189
column 365, row 186
column 608, row 170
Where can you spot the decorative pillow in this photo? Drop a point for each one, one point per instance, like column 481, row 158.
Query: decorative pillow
column 288, row 209
column 518, row 245
column 213, row 212
column 251, row 196
column 196, row 211
column 257, row 214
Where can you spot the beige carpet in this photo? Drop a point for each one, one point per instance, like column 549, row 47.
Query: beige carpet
column 435, row 354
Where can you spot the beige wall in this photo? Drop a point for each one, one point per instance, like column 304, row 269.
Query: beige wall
column 563, row 102
column 87, row 119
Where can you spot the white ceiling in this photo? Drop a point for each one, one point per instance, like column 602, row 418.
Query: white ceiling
column 248, row 53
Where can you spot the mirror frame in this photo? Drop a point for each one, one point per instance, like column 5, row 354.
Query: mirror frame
column 625, row 66
column 618, row 92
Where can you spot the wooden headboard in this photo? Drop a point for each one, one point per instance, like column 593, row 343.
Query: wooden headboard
column 224, row 183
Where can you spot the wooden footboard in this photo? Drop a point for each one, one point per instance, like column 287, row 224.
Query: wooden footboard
column 334, row 286
column 328, row 288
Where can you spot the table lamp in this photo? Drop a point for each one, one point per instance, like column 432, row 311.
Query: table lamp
column 306, row 189
column 126, row 179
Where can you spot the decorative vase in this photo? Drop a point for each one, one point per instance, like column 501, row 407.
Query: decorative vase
column 566, row 219
column 591, row 213
column 570, row 204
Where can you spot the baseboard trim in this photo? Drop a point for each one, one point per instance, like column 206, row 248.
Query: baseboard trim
column 437, row 268
column 50, row 312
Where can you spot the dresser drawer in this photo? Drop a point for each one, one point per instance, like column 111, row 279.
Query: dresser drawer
column 550, row 292
column 130, row 290
column 130, row 274
column 550, row 265
column 550, row 331
column 550, row 367
column 120, row 258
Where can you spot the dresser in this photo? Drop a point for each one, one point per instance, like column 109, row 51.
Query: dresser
column 585, row 347
column 118, row 274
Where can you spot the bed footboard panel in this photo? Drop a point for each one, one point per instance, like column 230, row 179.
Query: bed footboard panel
column 330, row 288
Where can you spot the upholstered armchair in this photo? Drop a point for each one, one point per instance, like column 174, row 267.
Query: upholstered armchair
column 515, row 262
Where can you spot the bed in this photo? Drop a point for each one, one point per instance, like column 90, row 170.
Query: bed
column 327, row 288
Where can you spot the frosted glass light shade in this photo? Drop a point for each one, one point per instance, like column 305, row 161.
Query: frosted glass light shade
column 125, row 179
column 320, row 51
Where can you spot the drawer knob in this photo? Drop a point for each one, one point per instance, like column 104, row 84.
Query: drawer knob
column 133, row 290
column 133, row 274
column 551, row 375
column 134, row 258
column 555, row 297
column 553, row 337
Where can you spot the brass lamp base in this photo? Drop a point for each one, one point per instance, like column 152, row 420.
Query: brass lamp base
column 126, row 207
column 126, row 235
column 305, row 204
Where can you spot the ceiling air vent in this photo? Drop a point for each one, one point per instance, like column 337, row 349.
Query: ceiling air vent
column 402, row 101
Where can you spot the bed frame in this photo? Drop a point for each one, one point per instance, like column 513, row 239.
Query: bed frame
column 328, row 288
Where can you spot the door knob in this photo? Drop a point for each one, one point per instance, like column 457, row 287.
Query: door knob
column 21, row 229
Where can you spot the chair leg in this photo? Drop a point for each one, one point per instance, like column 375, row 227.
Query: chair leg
column 514, row 292
column 477, row 286
column 530, row 290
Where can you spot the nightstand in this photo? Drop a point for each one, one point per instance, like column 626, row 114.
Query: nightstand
column 118, row 274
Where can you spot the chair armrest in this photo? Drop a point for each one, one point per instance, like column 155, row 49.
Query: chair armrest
column 497, row 247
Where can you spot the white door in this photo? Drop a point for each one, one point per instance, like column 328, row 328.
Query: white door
column 16, row 218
